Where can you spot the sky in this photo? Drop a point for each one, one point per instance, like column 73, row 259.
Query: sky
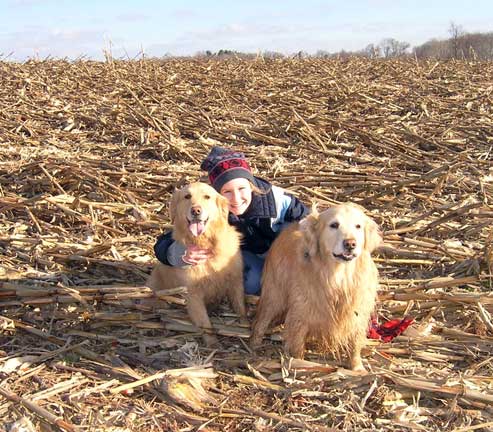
column 130, row 28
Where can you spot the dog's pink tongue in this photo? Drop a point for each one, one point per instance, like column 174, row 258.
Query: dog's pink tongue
column 197, row 228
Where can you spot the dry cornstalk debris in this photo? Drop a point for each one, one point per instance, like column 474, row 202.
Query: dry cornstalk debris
column 89, row 155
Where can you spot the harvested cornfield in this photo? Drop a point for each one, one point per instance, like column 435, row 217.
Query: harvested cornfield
column 89, row 154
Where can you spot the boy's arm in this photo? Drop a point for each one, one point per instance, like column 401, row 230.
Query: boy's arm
column 296, row 210
column 288, row 207
column 169, row 252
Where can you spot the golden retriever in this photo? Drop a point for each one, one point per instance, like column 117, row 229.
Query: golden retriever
column 200, row 218
column 320, row 281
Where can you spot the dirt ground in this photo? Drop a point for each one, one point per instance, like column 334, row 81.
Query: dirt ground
column 89, row 155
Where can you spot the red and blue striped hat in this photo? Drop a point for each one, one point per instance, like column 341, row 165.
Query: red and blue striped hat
column 223, row 165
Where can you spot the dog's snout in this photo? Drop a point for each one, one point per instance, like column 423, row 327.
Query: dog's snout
column 196, row 211
column 349, row 244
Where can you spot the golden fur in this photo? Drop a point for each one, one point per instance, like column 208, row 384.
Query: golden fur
column 222, row 274
column 320, row 281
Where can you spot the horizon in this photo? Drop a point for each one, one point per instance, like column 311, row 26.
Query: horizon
column 71, row 30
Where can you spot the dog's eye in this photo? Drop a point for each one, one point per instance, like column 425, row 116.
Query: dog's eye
column 207, row 197
column 188, row 196
column 334, row 225
column 358, row 226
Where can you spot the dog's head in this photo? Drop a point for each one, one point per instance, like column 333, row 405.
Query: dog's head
column 341, row 233
column 196, row 207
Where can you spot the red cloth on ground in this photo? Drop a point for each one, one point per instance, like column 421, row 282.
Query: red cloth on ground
column 388, row 330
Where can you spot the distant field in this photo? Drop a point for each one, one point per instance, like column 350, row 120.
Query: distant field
column 89, row 154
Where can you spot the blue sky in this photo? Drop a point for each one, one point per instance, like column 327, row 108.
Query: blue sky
column 62, row 28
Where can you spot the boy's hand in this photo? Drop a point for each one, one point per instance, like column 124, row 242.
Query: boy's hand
column 195, row 255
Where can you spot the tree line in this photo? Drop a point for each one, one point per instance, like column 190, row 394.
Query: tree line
column 460, row 45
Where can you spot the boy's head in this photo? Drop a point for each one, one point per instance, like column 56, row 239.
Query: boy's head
column 223, row 165
column 238, row 192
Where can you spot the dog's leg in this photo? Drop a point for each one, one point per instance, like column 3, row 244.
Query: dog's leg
column 268, row 310
column 295, row 334
column 236, row 298
column 260, row 326
column 197, row 312
column 355, row 355
column 153, row 281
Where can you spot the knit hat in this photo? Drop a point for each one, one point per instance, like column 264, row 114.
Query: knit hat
column 224, row 165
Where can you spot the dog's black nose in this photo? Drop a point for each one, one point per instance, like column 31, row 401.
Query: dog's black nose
column 196, row 211
column 349, row 244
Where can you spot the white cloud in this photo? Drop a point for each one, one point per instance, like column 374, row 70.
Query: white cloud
column 42, row 42
column 249, row 38
column 133, row 17
column 185, row 14
column 24, row 3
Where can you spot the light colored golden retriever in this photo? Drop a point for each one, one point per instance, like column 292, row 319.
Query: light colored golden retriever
column 320, row 281
column 200, row 218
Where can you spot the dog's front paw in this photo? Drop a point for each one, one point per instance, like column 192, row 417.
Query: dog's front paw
column 255, row 342
column 357, row 366
column 211, row 341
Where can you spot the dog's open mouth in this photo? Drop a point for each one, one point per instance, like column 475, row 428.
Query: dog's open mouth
column 345, row 257
column 197, row 227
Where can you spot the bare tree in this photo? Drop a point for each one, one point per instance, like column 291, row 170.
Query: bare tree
column 456, row 34
column 272, row 55
column 470, row 46
column 477, row 46
column 371, row 51
column 434, row 48
column 393, row 48
column 322, row 54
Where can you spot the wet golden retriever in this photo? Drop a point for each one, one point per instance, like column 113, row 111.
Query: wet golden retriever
column 320, row 281
column 200, row 218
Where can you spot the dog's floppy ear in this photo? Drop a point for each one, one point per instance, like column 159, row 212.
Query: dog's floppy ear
column 173, row 203
column 309, row 228
column 222, row 205
column 373, row 235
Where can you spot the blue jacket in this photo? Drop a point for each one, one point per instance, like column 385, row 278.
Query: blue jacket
column 267, row 214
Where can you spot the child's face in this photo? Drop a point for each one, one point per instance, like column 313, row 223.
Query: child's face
column 238, row 192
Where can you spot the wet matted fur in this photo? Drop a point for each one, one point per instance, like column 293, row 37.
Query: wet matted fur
column 320, row 281
column 200, row 218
